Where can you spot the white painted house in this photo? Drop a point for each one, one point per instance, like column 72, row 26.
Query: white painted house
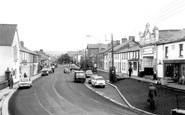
column 171, row 54
column 9, row 51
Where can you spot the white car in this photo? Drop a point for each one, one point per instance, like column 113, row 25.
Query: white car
column 25, row 82
column 91, row 77
column 44, row 72
column 98, row 81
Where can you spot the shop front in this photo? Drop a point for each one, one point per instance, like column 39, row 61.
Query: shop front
column 174, row 68
column 134, row 63
column 148, row 60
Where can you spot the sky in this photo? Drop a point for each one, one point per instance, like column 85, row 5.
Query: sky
column 69, row 25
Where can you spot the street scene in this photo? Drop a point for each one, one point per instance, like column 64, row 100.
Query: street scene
column 90, row 57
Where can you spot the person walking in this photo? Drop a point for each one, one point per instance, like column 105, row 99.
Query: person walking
column 10, row 82
column 130, row 71
column 151, row 94
column 53, row 68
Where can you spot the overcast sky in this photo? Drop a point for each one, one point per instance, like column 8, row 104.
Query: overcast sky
column 63, row 25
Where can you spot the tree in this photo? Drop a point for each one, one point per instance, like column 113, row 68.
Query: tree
column 64, row 58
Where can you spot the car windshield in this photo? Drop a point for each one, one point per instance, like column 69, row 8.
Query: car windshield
column 99, row 79
column 88, row 71
column 80, row 74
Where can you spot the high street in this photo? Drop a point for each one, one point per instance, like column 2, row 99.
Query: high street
column 57, row 94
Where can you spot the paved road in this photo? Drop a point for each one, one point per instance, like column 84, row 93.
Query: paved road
column 57, row 94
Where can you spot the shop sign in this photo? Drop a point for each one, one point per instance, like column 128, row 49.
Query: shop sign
column 148, row 51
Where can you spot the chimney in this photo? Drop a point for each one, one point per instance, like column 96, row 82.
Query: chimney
column 132, row 38
column 22, row 43
column 41, row 50
column 117, row 42
column 123, row 40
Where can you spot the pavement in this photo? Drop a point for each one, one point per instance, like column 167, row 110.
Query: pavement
column 5, row 95
column 135, row 91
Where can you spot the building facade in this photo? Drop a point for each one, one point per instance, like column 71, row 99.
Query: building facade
column 29, row 61
column 171, row 54
column 9, row 51
column 148, row 51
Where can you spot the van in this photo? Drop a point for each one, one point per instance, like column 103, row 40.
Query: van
column 79, row 76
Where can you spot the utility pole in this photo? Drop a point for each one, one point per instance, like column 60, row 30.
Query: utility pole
column 112, row 70
column 112, row 50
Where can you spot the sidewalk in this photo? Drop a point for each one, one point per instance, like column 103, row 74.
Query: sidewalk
column 4, row 92
column 135, row 91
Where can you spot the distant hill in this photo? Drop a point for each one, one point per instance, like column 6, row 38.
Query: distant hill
column 55, row 53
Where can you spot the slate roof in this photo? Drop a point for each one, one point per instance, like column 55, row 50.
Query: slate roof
column 92, row 46
column 24, row 49
column 134, row 48
column 7, row 32
column 96, row 46
column 170, row 36
column 121, row 45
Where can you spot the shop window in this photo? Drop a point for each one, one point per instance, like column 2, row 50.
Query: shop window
column 180, row 50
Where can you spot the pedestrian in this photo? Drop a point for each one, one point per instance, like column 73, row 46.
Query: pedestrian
column 25, row 76
column 53, row 68
column 130, row 71
column 152, row 92
column 154, row 75
column 10, row 82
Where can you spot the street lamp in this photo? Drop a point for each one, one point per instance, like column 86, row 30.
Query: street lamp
column 94, row 38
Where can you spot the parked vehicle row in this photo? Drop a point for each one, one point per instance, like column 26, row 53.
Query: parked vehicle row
column 81, row 76
column 47, row 70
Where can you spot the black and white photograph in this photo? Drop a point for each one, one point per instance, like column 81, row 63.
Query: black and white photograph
column 92, row 57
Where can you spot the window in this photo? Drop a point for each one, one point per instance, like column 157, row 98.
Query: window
column 180, row 50
column 136, row 54
column 166, row 52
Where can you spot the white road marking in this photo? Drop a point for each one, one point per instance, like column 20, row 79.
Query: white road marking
column 60, row 97
column 43, row 106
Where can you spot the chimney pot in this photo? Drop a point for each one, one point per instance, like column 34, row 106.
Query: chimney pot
column 132, row 38
column 123, row 40
column 22, row 43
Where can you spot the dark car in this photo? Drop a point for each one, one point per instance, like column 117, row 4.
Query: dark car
column 66, row 70
column 79, row 76
column 88, row 73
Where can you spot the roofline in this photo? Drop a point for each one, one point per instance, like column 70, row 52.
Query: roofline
column 171, row 42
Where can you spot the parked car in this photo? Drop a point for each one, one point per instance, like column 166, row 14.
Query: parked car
column 91, row 77
column 25, row 82
column 50, row 69
column 66, row 70
column 79, row 76
column 44, row 72
column 98, row 81
column 88, row 73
